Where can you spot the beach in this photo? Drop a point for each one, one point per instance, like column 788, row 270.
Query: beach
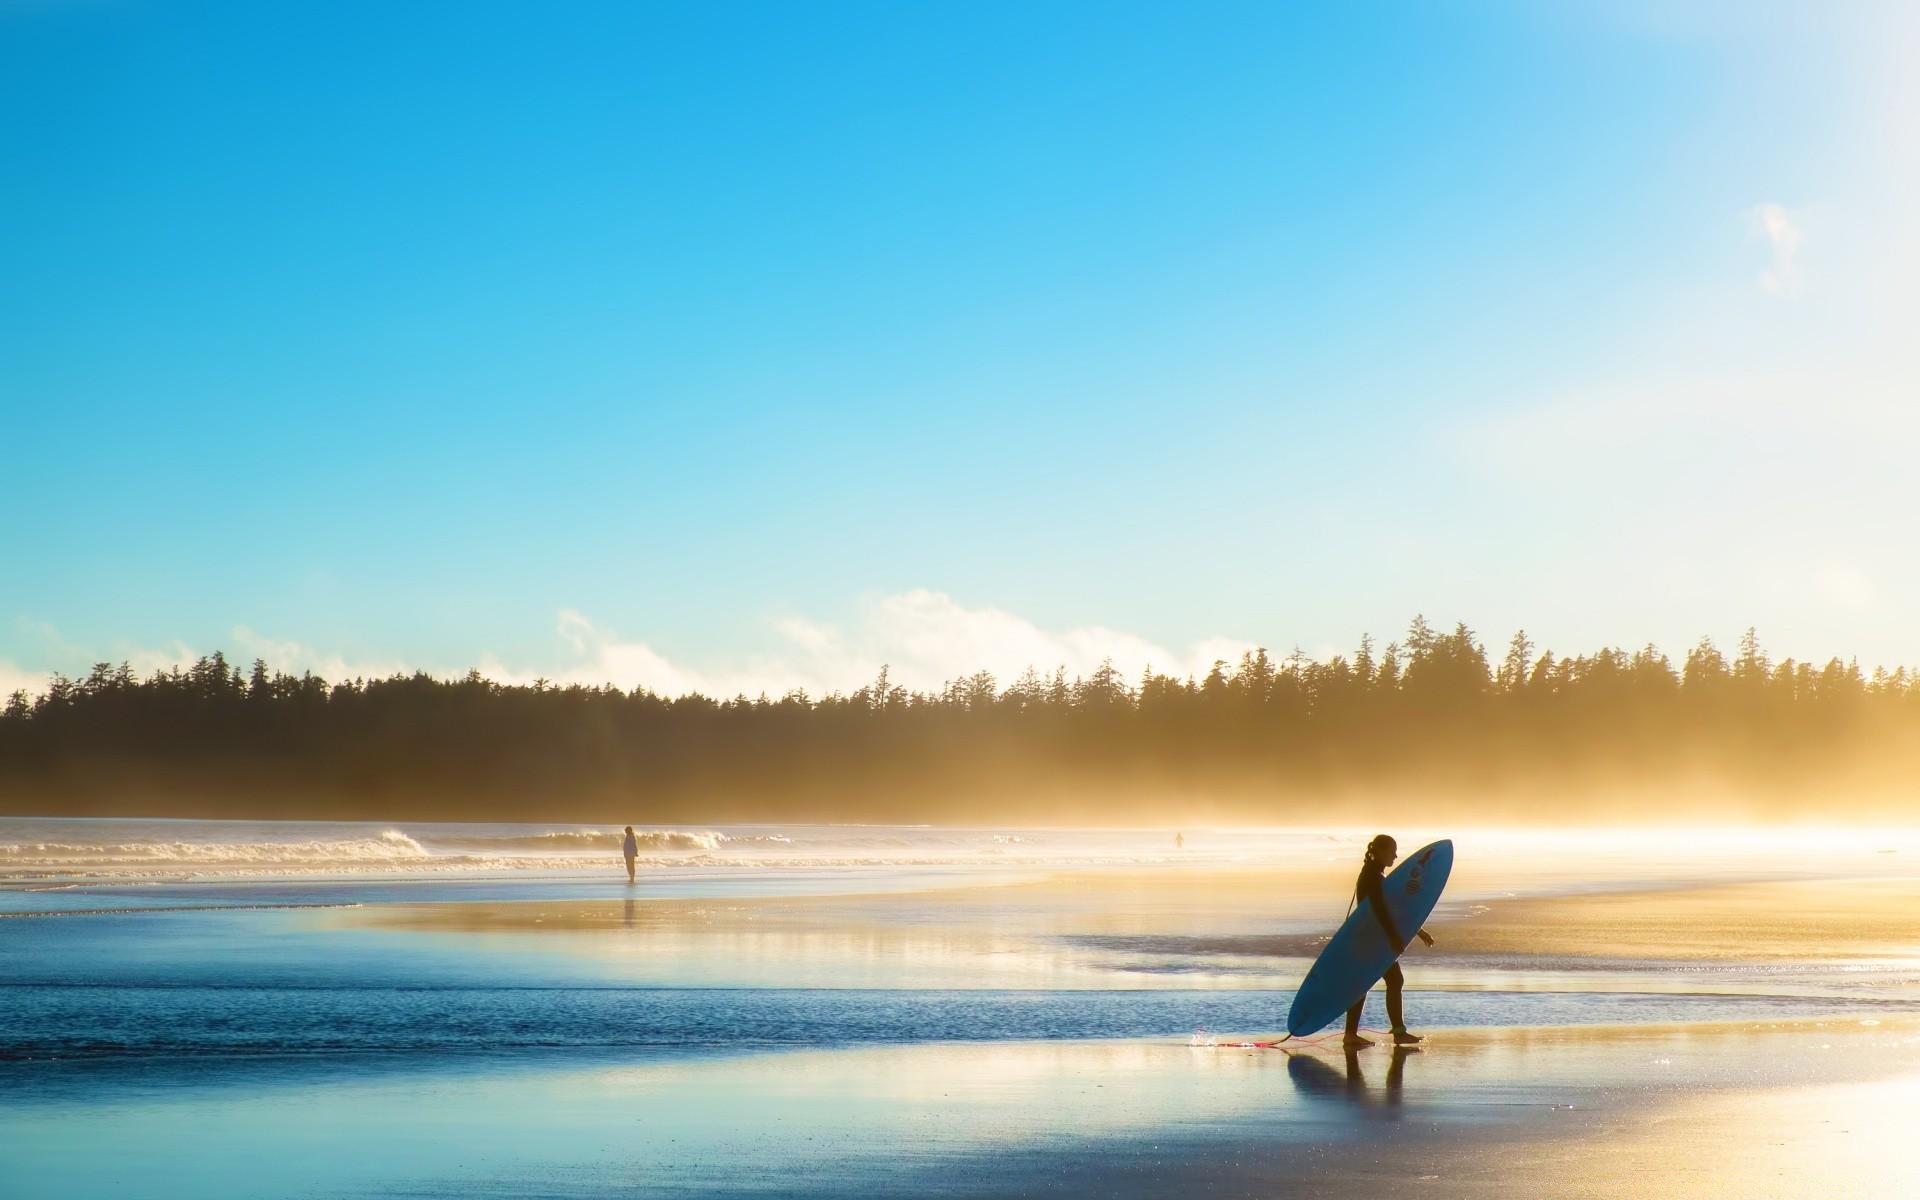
column 849, row 1011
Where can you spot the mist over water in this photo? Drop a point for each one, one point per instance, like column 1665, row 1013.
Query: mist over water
column 41, row 849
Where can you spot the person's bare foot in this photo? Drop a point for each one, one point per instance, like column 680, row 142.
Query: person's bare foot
column 1355, row 1042
column 1402, row 1038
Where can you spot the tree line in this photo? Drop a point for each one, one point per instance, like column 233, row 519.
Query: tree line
column 1429, row 718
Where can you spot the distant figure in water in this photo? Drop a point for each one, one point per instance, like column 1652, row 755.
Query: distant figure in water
column 631, row 850
column 1179, row 840
column 1381, row 852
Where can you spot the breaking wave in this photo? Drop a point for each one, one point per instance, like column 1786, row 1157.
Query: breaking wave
column 43, row 851
column 562, row 841
column 390, row 846
column 390, row 850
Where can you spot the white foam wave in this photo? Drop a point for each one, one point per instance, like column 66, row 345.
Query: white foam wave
column 390, row 846
column 601, row 840
column 389, row 850
column 476, row 864
column 49, row 851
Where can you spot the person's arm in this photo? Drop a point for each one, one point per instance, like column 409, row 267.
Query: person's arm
column 1377, row 897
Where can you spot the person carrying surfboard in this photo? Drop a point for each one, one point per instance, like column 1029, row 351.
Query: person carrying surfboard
column 1381, row 852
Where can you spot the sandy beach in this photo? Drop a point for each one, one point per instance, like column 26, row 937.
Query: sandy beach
column 1800, row 920
column 1658, row 1016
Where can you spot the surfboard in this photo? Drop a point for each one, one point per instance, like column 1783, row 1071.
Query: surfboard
column 1355, row 958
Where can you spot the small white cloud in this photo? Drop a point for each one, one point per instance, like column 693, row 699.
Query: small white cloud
column 602, row 657
column 73, row 660
column 1770, row 221
column 145, row 660
column 19, row 679
column 284, row 654
column 924, row 638
column 930, row 638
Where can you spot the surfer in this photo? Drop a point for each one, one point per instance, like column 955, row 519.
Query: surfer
column 1381, row 852
column 630, row 850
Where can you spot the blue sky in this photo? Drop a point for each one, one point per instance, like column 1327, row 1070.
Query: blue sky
column 753, row 345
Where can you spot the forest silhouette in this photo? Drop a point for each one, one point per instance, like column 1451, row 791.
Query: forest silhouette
column 1428, row 720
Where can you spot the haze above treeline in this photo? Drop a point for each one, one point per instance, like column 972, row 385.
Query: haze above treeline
column 1430, row 723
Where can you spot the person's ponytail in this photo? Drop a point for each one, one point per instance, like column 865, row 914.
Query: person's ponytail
column 1378, row 849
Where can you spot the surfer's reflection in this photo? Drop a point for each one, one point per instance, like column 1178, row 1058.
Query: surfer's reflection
column 1315, row 1078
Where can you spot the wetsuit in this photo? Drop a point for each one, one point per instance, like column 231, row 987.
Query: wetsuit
column 1369, row 887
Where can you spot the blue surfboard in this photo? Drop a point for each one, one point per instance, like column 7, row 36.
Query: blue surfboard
column 1359, row 954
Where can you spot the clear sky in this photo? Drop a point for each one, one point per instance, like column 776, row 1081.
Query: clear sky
column 753, row 345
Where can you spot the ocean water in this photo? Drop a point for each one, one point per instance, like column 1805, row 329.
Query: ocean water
column 189, row 977
column 115, row 849
column 54, row 852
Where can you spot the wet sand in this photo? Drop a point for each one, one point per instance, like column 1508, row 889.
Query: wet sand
column 1133, row 899
column 1794, row 1109
column 1249, row 927
column 1803, row 920
column 1791, row 1111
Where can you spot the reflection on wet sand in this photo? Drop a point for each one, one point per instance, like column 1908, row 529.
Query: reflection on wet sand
column 1630, row 1112
column 1824, row 919
column 1315, row 1079
column 1832, row 938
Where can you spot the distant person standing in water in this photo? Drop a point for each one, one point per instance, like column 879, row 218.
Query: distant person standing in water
column 1179, row 840
column 630, row 849
column 1381, row 852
